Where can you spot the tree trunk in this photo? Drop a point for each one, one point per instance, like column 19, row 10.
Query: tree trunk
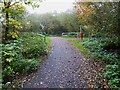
column 7, row 5
column 118, row 18
column 7, row 26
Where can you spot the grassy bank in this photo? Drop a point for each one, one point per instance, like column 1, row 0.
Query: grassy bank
column 78, row 44
column 69, row 36
column 48, row 41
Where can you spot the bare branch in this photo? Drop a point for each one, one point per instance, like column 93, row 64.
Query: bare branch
column 14, row 4
column 4, row 2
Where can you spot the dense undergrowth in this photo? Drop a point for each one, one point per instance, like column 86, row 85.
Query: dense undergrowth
column 20, row 56
column 104, row 49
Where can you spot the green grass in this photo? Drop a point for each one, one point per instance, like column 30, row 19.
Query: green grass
column 54, row 35
column 66, row 36
column 77, row 43
column 48, row 41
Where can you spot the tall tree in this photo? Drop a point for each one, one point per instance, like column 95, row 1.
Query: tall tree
column 69, row 20
column 101, row 16
column 7, row 7
column 102, row 20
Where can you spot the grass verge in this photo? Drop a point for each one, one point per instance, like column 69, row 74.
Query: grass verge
column 66, row 36
column 77, row 43
column 48, row 41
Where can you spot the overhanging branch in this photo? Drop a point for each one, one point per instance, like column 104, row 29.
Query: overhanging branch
column 14, row 4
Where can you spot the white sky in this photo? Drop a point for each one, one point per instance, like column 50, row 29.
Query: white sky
column 52, row 5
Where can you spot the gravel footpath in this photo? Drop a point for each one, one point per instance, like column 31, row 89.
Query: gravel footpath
column 65, row 67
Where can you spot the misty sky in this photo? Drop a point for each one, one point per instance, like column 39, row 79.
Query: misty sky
column 52, row 5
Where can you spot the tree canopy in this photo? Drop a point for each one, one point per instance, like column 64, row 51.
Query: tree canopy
column 100, row 18
column 12, row 14
column 54, row 23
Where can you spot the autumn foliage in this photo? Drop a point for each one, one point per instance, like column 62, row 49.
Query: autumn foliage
column 102, row 20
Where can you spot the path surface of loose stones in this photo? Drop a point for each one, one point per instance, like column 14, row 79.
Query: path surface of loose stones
column 65, row 67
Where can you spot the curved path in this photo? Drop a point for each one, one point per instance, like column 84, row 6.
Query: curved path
column 65, row 67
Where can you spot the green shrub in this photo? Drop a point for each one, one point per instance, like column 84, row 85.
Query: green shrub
column 25, row 66
column 113, row 75
column 13, row 62
column 34, row 45
column 10, row 53
column 19, row 57
column 98, row 48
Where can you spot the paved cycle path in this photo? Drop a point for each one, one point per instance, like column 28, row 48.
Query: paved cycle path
column 65, row 67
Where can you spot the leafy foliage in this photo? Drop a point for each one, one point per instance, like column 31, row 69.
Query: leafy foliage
column 96, row 47
column 46, row 23
column 69, row 20
column 54, row 23
column 14, row 60
column 36, row 45
column 12, row 14
column 102, row 20
column 113, row 75
column 102, row 17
